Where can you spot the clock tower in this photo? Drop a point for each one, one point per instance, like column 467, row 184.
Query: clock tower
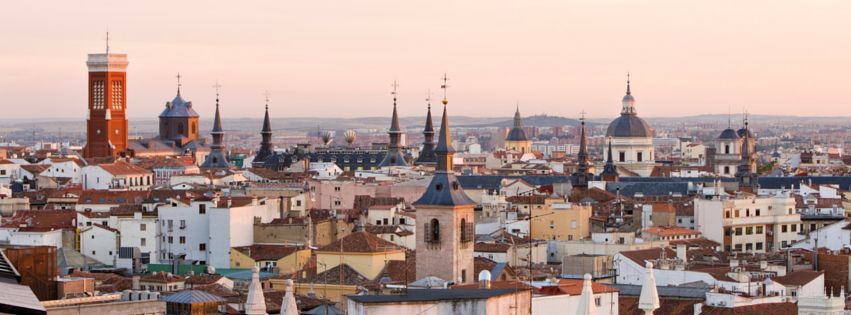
column 106, row 125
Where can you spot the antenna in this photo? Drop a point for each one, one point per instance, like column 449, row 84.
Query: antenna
column 107, row 40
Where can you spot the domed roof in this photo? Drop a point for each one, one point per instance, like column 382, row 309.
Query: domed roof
column 742, row 132
column 178, row 108
column 629, row 125
column 517, row 133
column 729, row 133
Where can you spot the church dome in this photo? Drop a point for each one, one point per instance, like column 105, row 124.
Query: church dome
column 516, row 134
column 728, row 133
column 178, row 108
column 629, row 125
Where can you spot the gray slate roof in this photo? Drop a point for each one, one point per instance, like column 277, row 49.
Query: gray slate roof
column 422, row 295
column 178, row 108
column 629, row 125
column 664, row 291
column 192, row 297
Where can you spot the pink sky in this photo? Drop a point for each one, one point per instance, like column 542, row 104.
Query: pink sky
column 339, row 58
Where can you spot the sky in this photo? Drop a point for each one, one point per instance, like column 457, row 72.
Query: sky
column 339, row 58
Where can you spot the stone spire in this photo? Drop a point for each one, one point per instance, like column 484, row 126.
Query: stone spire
column 427, row 154
column 255, row 303
column 610, row 171
column 581, row 177
column 587, row 306
column 517, row 133
column 266, row 133
column 394, row 156
column 216, row 159
column 649, row 298
column 288, row 305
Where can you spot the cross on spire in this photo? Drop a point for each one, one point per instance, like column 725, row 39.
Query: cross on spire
column 178, row 85
column 444, row 86
column 215, row 86
column 582, row 115
column 267, row 94
column 394, row 86
column 428, row 98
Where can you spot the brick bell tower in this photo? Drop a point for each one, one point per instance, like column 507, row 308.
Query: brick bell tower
column 106, row 125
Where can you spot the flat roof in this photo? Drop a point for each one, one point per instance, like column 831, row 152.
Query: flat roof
column 425, row 295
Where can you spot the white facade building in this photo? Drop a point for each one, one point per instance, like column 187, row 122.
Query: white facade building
column 754, row 224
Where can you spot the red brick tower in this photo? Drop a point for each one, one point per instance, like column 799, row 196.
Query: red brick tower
column 106, row 130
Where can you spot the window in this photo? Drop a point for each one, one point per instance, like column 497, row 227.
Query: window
column 759, row 229
column 783, row 228
column 727, row 151
column 143, row 227
column 749, row 247
column 143, row 242
column 433, row 234
column 202, row 208
column 738, row 247
column 180, row 127
column 749, row 230
column 93, row 237
column 727, row 214
column 463, row 230
column 597, row 301
column 757, row 212
column 622, row 156
column 298, row 203
column 783, row 244
column 336, row 188
column 183, row 240
column 171, row 240
column 182, row 224
column 758, row 245
column 737, row 213
column 726, row 170
column 94, row 253
column 202, row 246
column 738, row 231
column 463, row 275
column 639, row 156
column 747, row 212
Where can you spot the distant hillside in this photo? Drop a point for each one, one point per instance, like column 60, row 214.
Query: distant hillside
column 533, row 121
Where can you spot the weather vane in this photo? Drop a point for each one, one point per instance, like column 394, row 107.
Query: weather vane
column 428, row 98
column 444, row 86
column 267, row 94
column 394, row 85
column 215, row 86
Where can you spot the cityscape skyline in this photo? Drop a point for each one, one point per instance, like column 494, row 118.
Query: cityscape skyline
column 297, row 65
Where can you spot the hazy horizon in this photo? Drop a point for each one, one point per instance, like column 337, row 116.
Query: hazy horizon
column 323, row 59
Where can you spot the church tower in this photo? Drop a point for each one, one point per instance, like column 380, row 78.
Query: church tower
column 394, row 156
column 445, row 219
column 265, row 144
column 582, row 176
column 427, row 156
column 106, row 124
column 516, row 139
column 216, row 159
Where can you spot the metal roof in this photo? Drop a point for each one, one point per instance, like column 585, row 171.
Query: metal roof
column 663, row 291
column 192, row 297
column 629, row 125
column 728, row 133
column 648, row 188
column 178, row 108
column 424, row 295
column 19, row 299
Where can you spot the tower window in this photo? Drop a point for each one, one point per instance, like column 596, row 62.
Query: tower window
column 640, row 155
column 433, row 231
column 97, row 95
column 116, row 94
column 622, row 156
column 726, row 149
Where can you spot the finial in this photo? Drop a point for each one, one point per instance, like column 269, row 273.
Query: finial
column 178, row 86
column 267, row 94
column 428, row 98
column 394, row 85
column 107, row 40
column 582, row 116
column 215, row 86
column 628, row 92
column 444, row 86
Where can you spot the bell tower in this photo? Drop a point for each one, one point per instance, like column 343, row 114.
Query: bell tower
column 106, row 124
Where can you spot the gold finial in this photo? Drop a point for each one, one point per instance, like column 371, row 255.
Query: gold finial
column 444, row 86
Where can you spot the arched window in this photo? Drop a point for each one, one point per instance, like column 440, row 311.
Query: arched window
column 463, row 230
column 193, row 129
column 435, row 230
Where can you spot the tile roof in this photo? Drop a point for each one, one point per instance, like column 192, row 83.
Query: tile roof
column 260, row 252
column 113, row 197
column 41, row 220
column 670, row 230
column 360, row 242
column 574, row 287
column 641, row 256
column 415, row 295
column 798, row 278
column 349, row 275
column 492, row 247
column 161, row 277
column 764, row 308
column 203, row 279
column 120, row 168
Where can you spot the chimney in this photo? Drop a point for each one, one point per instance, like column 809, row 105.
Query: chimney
column 136, row 285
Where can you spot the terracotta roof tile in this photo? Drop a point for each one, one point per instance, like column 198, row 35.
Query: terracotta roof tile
column 798, row 278
column 267, row 251
column 361, row 242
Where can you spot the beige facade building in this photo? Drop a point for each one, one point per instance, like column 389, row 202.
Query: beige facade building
column 560, row 220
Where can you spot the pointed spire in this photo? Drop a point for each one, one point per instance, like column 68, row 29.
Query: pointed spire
column 518, row 121
column 429, row 126
column 587, row 305
column 628, row 92
column 444, row 149
column 288, row 305
column 217, row 120
column 648, row 301
column 255, row 303
column 427, row 154
column 267, row 124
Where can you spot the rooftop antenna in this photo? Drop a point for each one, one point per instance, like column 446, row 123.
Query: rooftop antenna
column 730, row 117
column 107, row 40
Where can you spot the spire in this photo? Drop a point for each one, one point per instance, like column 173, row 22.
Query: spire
column 394, row 156
column 444, row 189
column 628, row 92
column 587, row 305
column 628, row 101
column 517, row 133
column 216, row 159
column 648, row 301
column 518, row 121
column 267, row 124
column 581, row 177
column 216, row 86
column 429, row 126
column 288, row 305
column 255, row 303
column 610, row 170
column 427, row 154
